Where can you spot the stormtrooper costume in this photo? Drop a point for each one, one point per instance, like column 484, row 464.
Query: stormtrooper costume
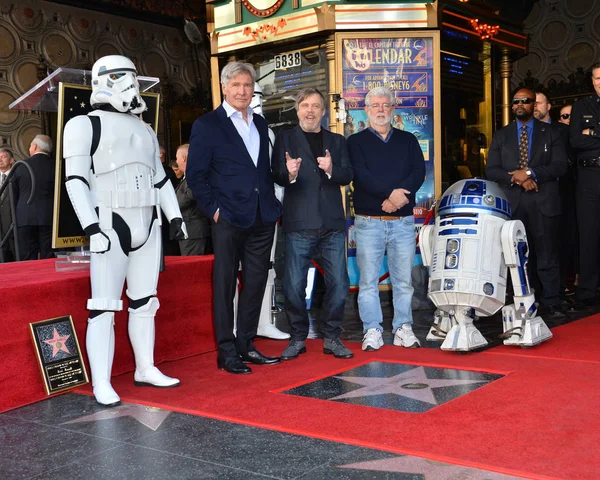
column 266, row 325
column 117, row 185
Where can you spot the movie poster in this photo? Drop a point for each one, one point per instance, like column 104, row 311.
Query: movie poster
column 406, row 66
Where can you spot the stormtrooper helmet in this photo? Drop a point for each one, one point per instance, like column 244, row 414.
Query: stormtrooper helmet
column 256, row 104
column 114, row 82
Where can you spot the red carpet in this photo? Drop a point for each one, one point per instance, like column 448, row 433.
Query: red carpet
column 539, row 421
column 34, row 291
column 573, row 341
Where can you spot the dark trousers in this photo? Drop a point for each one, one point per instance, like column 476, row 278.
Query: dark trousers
column 34, row 240
column 299, row 249
column 251, row 246
column 544, row 258
column 195, row 246
column 568, row 235
column 588, row 211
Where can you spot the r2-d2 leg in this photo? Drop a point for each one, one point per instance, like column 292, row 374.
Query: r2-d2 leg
column 442, row 324
column 463, row 336
column 522, row 326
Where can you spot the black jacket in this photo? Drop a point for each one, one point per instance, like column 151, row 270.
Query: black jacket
column 548, row 160
column 40, row 211
column 313, row 200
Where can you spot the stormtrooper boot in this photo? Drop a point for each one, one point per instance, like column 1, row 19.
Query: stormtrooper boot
column 266, row 322
column 141, row 335
column 100, row 345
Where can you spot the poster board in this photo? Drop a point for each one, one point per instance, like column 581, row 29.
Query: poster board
column 409, row 64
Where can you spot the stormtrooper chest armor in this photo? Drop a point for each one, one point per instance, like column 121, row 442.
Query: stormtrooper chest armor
column 124, row 163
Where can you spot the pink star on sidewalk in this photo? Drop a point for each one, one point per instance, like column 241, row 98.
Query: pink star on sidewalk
column 58, row 343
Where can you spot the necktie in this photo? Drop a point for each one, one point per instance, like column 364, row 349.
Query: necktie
column 523, row 147
column 2, row 178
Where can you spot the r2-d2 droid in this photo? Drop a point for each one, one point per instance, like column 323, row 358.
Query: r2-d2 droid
column 467, row 252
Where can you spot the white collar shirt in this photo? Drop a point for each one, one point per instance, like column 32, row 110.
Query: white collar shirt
column 247, row 130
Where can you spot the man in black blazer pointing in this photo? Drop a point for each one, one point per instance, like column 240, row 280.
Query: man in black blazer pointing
column 312, row 163
column 526, row 158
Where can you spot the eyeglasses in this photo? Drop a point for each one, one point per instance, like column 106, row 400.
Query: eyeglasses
column 377, row 106
column 524, row 101
column 564, row 116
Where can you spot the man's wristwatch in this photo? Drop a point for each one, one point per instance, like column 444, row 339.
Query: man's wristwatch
column 529, row 173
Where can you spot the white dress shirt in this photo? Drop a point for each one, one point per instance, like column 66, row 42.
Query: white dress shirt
column 247, row 130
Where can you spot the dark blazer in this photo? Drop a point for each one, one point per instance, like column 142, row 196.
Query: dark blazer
column 222, row 175
column 40, row 211
column 548, row 160
column 196, row 221
column 313, row 200
column 5, row 218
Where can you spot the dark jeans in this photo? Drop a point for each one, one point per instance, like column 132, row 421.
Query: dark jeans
column 299, row 249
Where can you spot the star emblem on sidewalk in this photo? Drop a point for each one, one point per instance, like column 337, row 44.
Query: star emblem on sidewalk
column 412, row 384
column 430, row 469
column 151, row 417
column 58, row 343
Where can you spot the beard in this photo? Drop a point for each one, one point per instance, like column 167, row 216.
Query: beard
column 523, row 115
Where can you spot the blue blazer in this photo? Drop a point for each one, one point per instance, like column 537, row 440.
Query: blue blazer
column 222, row 175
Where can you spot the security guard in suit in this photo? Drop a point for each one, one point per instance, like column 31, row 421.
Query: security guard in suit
column 585, row 142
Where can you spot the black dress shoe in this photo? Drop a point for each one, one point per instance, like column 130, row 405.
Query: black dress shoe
column 257, row 358
column 233, row 365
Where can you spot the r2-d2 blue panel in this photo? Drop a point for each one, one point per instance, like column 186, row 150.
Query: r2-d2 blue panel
column 468, row 267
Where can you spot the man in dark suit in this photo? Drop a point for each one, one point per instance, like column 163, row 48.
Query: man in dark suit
column 312, row 163
column 6, row 162
column 196, row 221
column 229, row 173
column 34, row 221
column 527, row 158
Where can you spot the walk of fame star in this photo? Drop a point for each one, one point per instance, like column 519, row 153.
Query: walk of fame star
column 395, row 386
column 151, row 417
column 412, row 384
column 430, row 469
column 58, row 343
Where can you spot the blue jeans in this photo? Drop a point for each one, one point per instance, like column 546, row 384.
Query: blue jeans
column 299, row 249
column 372, row 238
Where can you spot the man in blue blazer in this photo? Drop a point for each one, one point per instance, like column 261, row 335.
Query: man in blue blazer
column 229, row 173
column 527, row 158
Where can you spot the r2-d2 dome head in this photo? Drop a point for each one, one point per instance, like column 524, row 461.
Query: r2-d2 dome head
column 256, row 104
column 114, row 82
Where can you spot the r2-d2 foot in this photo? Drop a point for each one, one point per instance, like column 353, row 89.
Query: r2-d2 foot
column 522, row 331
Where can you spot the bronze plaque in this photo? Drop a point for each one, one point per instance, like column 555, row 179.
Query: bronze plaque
column 58, row 353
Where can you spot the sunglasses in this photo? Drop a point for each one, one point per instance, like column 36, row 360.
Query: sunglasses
column 524, row 101
column 564, row 116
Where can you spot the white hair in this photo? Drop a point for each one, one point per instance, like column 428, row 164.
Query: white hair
column 233, row 69
column 44, row 143
column 380, row 92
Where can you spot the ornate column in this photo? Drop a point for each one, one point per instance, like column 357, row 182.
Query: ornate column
column 505, row 76
column 42, row 72
column 332, row 87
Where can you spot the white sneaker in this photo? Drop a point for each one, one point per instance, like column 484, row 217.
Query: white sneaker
column 372, row 340
column 405, row 337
